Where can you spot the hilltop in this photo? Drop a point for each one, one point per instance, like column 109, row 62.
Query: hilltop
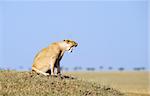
column 13, row 83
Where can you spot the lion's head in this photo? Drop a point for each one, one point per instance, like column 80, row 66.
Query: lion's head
column 69, row 45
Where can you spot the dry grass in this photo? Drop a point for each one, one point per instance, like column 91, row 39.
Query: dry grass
column 14, row 83
column 131, row 83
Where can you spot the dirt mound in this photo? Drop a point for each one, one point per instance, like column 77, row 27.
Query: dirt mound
column 14, row 83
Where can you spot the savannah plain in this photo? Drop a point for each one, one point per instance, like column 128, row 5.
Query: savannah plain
column 15, row 83
column 131, row 83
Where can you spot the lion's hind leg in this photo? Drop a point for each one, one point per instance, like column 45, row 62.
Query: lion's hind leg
column 38, row 71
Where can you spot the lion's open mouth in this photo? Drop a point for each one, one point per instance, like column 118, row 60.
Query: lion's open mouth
column 70, row 50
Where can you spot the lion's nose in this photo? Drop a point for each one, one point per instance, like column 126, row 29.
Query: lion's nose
column 76, row 45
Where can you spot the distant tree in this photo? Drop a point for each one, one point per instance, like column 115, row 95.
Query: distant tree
column 29, row 69
column 21, row 67
column 136, row 69
column 139, row 68
column 61, row 68
column 143, row 68
column 121, row 69
column 90, row 69
column 101, row 67
column 66, row 69
column 77, row 68
column 110, row 68
column 80, row 68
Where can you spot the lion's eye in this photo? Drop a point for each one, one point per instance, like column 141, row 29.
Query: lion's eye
column 67, row 41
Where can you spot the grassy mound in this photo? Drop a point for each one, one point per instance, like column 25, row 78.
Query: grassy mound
column 14, row 83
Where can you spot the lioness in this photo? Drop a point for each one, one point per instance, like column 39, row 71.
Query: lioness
column 49, row 58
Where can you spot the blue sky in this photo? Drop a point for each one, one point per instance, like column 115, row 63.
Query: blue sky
column 109, row 33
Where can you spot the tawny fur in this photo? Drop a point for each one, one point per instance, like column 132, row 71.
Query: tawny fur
column 49, row 58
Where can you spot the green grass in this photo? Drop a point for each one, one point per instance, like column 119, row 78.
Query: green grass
column 13, row 83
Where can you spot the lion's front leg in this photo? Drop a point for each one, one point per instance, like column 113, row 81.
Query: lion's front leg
column 53, row 66
column 58, row 68
column 52, row 69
